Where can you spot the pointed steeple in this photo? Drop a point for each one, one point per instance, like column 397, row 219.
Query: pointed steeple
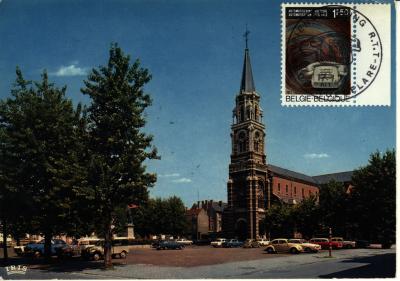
column 247, row 84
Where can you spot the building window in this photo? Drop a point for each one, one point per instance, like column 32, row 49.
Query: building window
column 279, row 187
column 242, row 142
column 257, row 139
column 287, row 189
column 295, row 191
column 302, row 192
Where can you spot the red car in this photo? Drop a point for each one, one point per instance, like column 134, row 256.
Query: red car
column 324, row 242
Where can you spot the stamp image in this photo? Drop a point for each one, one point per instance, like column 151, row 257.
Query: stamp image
column 335, row 54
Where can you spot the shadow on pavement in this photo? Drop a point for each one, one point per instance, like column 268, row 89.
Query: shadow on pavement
column 381, row 266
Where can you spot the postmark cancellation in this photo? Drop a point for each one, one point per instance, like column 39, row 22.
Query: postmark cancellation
column 336, row 55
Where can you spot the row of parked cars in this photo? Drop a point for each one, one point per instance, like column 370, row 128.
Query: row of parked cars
column 87, row 248
column 287, row 245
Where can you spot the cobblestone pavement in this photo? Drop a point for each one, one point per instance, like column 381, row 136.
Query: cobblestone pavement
column 173, row 264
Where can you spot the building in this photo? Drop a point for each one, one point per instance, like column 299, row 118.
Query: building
column 342, row 177
column 204, row 213
column 198, row 221
column 291, row 187
column 253, row 185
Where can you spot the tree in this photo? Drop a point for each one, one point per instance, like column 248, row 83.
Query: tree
column 117, row 146
column 307, row 217
column 279, row 221
column 161, row 216
column 39, row 125
column 334, row 206
column 176, row 219
column 373, row 199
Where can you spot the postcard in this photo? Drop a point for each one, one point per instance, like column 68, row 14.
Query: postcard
column 203, row 139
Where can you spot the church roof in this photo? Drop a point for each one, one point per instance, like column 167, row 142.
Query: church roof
column 247, row 84
column 338, row 177
column 290, row 174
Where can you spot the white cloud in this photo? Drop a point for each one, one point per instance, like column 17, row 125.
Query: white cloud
column 70, row 70
column 173, row 175
column 316, row 155
column 182, row 180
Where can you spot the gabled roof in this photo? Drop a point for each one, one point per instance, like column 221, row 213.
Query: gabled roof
column 290, row 174
column 247, row 84
column 219, row 208
column 338, row 177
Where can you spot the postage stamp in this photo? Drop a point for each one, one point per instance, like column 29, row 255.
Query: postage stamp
column 335, row 55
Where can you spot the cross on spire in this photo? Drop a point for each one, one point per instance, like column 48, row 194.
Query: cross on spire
column 246, row 36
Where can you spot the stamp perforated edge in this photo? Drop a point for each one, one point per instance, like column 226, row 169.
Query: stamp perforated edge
column 283, row 58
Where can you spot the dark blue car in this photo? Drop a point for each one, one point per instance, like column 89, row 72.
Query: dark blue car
column 37, row 249
column 232, row 243
column 169, row 245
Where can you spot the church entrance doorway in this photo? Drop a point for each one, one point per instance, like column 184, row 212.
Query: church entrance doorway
column 241, row 229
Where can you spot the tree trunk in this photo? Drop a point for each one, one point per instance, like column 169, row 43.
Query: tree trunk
column 47, row 245
column 5, row 255
column 107, row 247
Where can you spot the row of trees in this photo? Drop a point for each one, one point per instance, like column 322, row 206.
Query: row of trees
column 67, row 169
column 366, row 210
column 161, row 216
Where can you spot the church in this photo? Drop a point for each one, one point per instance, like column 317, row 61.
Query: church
column 254, row 185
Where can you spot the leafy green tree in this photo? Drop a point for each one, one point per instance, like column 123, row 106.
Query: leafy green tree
column 177, row 224
column 279, row 221
column 307, row 217
column 161, row 216
column 334, row 206
column 118, row 148
column 373, row 199
column 39, row 123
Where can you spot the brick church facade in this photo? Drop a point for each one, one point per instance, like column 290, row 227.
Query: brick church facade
column 253, row 185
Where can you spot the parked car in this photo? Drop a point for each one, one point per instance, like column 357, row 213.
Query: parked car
column 362, row 244
column 156, row 243
column 308, row 247
column 218, row 242
column 251, row 243
column 170, row 245
column 263, row 242
column 118, row 249
column 282, row 245
column 346, row 244
column 184, row 241
column 202, row 242
column 324, row 242
column 76, row 248
column 232, row 243
column 37, row 249
column 20, row 250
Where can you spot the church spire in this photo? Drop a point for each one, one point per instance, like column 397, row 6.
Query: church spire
column 247, row 84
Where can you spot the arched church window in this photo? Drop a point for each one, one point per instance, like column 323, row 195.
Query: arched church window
column 261, row 195
column 241, row 114
column 242, row 142
column 257, row 142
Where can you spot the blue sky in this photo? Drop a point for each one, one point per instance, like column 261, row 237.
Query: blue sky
column 194, row 50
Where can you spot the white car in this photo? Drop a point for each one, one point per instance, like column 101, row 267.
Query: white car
column 218, row 242
column 308, row 247
column 184, row 241
column 263, row 242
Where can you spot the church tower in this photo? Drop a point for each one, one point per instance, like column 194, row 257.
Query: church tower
column 248, row 185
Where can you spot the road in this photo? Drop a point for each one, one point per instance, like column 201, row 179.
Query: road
column 358, row 263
